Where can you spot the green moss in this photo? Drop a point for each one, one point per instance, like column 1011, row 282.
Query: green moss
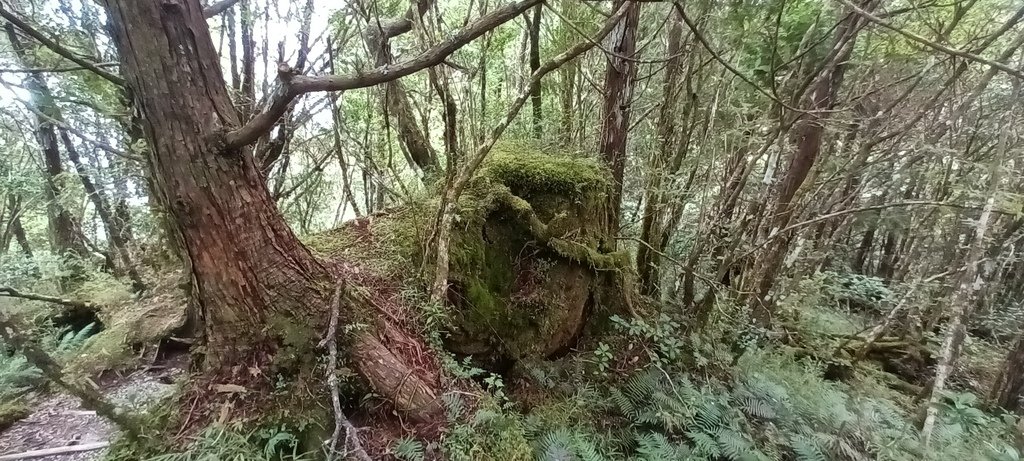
column 583, row 254
column 12, row 412
column 525, row 170
column 525, row 209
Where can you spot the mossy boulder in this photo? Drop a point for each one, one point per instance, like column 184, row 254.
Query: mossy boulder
column 530, row 258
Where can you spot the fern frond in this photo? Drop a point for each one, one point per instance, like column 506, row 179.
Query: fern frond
column 806, row 449
column 409, row 449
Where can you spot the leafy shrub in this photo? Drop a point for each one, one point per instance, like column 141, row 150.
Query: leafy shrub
column 856, row 291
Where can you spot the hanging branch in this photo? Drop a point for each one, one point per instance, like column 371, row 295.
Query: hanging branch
column 56, row 48
column 293, row 86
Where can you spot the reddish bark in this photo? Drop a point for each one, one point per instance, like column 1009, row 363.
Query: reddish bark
column 619, row 79
column 253, row 280
column 807, row 137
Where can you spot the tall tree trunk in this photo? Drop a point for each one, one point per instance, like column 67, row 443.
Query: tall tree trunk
column 648, row 260
column 394, row 97
column 114, row 232
column 809, row 131
column 253, row 280
column 41, row 92
column 66, row 237
column 1009, row 389
column 619, row 80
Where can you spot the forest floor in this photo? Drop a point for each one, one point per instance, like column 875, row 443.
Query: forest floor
column 58, row 420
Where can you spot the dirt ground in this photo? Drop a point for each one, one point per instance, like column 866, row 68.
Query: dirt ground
column 59, row 420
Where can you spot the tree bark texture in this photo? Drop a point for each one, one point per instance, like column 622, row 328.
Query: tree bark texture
column 535, row 91
column 1010, row 387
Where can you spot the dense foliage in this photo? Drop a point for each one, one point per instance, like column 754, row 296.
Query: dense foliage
column 757, row 229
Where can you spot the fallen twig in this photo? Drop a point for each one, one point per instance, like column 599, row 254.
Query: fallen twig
column 55, row 451
column 351, row 447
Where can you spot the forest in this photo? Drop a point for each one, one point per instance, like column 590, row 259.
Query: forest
column 555, row 230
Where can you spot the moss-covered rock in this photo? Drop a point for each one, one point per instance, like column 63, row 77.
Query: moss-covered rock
column 528, row 254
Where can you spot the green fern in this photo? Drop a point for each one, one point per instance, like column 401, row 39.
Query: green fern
column 653, row 446
column 71, row 340
column 16, row 375
column 565, row 445
column 734, row 446
column 705, row 444
column 409, row 449
column 806, row 449
column 454, row 405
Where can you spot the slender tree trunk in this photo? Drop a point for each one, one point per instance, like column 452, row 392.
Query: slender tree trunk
column 969, row 283
column 65, row 231
column 619, row 80
column 394, row 97
column 114, row 232
column 535, row 92
column 807, row 138
column 253, row 280
column 13, row 227
column 648, row 261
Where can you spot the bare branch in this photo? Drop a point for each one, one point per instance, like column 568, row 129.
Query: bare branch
column 218, row 8
column 54, row 69
column 13, row 293
column 56, row 48
column 84, row 137
column 935, row 46
column 293, row 86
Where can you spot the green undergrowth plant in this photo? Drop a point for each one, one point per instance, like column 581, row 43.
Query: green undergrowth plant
column 235, row 443
column 770, row 405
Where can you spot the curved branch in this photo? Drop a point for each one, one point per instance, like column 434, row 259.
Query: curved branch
column 293, row 86
column 57, row 48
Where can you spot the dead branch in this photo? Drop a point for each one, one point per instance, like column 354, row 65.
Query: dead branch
column 218, row 8
column 53, row 371
column 293, row 86
column 13, row 293
column 55, row 451
column 351, row 447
